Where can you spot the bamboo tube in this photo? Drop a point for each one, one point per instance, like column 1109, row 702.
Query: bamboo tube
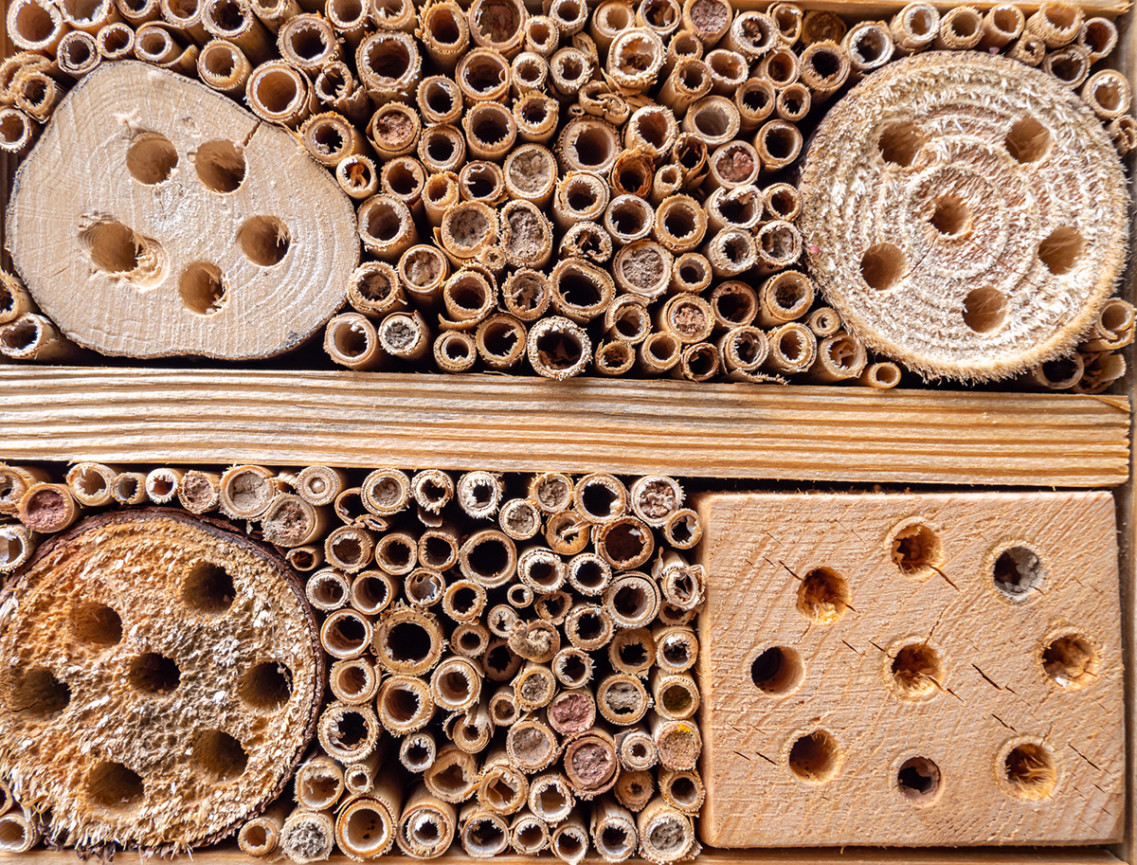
column 483, row 75
column 793, row 348
column 552, row 607
column 1057, row 24
column 307, row 836
column 580, row 292
column 14, row 482
column 308, row 43
column 783, row 298
column 246, row 491
column 35, row 25
column 533, row 687
column 404, row 335
column 915, row 27
column 624, row 543
column 570, row 838
column 580, row 196
column 558, row 348
column 613, row 830
column 36, row 93
column 200, row 491
column 327, row 590
column 365, row 827
column 482, row 181
column 185, row 15
column 634, row 789
column 289, row 521
column 689, row 81
column 138, row 12
column 304, row 559
column 18, row 832
column 666, row 834
column 404, row 705
column 1029, row 49
column 568, row 70
column 386, row 227
column 470, row 640
column 839, row 357
column 1070, row 66
column 260, row 836
column 427, row 825
column 432, row 490
column 536, row 641
column 277, row 93
column 455, row 684
column 540, row 569
column 439, row 100
column 223, row 67
column 682, row 529
column 622, row 699
column 609, row 19
column 6, row 800
column 445, row 34
column 490, row 131
column 353, row 681
column 1001, row 25
column 573, row 669
column 30, row 336
column 502, row 708
column 1113, row 329
column 869, row 46
column 389, row 65
column 780, row 67
column 318, row 783
column 550, row 797
column 677, row 649
column 17, row 544
column 408, row 642
column 823, row 321
column 453, row 777
column 274, row 13
column 632, row 651
column 438, row 546
column 1102, row 369
column 636, row 749
column 18, row 132
column 479, row 494
column 714, row 119
column 614, row 358
column 234, row 21
column 821, row 26
column 386, row 491
column 526, row 234
column 751, row 34
column 1108, row 94
column 47, row 508
column 589, row 627
column 336, row 86
column 1123, row 134
column 659, row 353
column 709, row 20
column 349, row 548
column 1099, row 37
column 755, row 100
column 676, row 696
column 778, row 143
column 77, row 54
column 319, row 485
column 572, row 711
column 600, row 497
column 357, row 176
column 483, row 833
column 682, row 790
column 129, row 488
column 371, row 592
column 961, row 29
column 635, row 58
column 535, row 116
column 329, row 138
column 348, row 732
column 417, row 752
column 346, row 634
column 528, row 834
column 734, row 305
column 589, row 574
column 502, row 789
column 91, row 484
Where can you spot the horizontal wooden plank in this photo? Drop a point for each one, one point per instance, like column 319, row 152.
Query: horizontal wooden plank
column 134, row 415
column 823, row 856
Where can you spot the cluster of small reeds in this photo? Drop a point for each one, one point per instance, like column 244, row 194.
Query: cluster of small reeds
column 510, row 656
column 601, row 188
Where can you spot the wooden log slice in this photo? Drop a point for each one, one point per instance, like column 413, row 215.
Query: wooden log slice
column 160, row 677
column 966, row 214
column 156, row 217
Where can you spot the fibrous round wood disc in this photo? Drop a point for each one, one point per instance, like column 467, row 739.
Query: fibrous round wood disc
column 964, row 213
column 160, row 677
column 155, row 217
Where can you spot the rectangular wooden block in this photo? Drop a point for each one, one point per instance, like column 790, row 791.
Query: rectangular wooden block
column 916, row 669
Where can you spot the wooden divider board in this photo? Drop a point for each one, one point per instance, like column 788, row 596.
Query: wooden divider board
column 982, row 691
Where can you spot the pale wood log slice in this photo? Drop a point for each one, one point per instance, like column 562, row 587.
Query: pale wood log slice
column 160, row 677
column 966, row 214
column 156, row 217
column 919, row 669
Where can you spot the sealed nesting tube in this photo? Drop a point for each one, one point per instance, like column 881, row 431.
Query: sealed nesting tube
column 394, row 130
column 707, row 19
column 358, row 176
column 822, row 26
column 223, row 67
column 351, row 340
column 389, row 65
column 47, row 508
column 277, row 93
column 642, row 268
column 199, row 491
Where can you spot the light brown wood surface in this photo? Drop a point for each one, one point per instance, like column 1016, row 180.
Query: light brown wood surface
column 519, row 424
column 988, row 692
column 173, row 213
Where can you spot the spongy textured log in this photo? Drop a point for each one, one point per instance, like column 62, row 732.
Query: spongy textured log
column 179, row 225
column 166, row 673
column 965, row 214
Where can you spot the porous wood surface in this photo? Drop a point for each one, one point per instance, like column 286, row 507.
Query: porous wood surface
column 516, row 424
column 989, row 692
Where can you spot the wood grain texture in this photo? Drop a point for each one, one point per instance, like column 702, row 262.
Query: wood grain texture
column 987, row 856
column 519, row 424
column 988, row 692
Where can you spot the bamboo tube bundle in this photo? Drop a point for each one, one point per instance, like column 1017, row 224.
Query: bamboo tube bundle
column 1083, row 254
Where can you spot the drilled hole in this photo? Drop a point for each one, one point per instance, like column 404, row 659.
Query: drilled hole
column 113, row 246
column 1017, row 572
column 777, row 671
column 38, row 694
column 96, row 624
column 951, row 215
column 154, row 674
column 900, row 143
column 883, row 266
column 264, row 240
column 823, row 596
column 919, row 781
column 219, row 755
column 1028, row 140
column 112, row 785
column 984, row 309
column 220, row 165
column 917, row 671
column 917, row 550
column 1061, row 250
column 1030, row 771
column 814, row 757
column 151, row 158
column 208, row 588
column 202, row 289
column 1071, row 661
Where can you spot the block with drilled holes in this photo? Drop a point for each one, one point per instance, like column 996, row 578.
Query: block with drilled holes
column 911, row 669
